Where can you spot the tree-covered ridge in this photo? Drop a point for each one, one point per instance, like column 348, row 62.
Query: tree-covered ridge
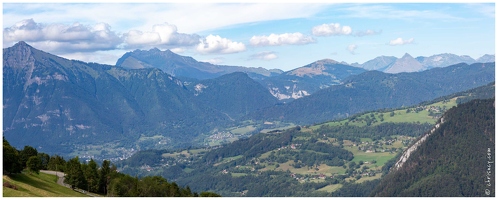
column 456, row 160
column 104, row 179
column 317, row 158
column 374, row 90
column 234, row 94
column 293, row 162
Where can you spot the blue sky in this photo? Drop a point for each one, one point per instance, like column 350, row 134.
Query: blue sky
column 269, row 35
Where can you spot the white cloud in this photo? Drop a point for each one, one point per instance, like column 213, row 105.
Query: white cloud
column 331, row 29
column 281, row 39
column 400, row 41
column 351, row 48
column 486, row 9
column 177, row 50
column 188, row 17
column 62, row 38
column 366, row 33
column 264, row 56
column 214, row 61
column 217, row 44
column 97, row 57
column 161, row 35
column 374, row 11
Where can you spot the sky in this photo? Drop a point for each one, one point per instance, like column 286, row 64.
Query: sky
column 270, row 35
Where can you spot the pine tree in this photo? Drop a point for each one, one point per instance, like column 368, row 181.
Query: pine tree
column 74, row 174
column 104, row 177
column 92, row 176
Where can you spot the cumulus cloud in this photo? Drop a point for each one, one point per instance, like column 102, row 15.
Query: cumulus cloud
column 400, row 41
column 161, row 35
column 62, row 38
column 281, row 39
column 217, row 44
column 331, row 29
column 264, row 55
column 351, row 48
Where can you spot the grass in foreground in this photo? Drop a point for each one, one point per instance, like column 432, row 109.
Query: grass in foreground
column 36, row 185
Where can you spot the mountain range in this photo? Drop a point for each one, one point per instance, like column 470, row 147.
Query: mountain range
column 376, row 90
column 407, row 63
column 294, row 84
column 183, row 66
column 59, row 104
column 64, row 106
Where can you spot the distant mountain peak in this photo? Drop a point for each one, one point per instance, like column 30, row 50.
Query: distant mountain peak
column 486, row 58
column 154, row 49
column 407, row 55
column 405, row 64
column 182, row 66
column 23, row 54
column 327, row 61
column 20, row 44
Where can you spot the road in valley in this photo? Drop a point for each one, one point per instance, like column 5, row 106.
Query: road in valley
column 60, row 181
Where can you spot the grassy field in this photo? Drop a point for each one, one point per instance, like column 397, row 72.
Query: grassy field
column 228, row 159
column 174, row 155
column 380, row 157
column 279, row 128
column 330, row 188
column 238, row 174
column 243, row 130
column 369, row 178
column 36, row 185
column 399, row 116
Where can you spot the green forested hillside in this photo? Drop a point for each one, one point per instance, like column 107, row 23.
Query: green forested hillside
column 339, row 158
column 22, row 178
column 35, row 185
column 234, row 94
column 456, row 160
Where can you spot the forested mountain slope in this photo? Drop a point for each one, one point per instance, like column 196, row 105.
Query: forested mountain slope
column 59, row 104
column 376, row 90
column 455, row 159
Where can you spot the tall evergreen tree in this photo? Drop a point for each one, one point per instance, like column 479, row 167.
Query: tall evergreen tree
column 26, row 153
column 104, row 176
column 56, row 163
column 11, row 159
column 74, row 174
column 92, row 176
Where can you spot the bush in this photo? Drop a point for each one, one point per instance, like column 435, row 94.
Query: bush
column 9, row 185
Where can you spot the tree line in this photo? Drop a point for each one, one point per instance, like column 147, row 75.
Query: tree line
column 103, row 179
